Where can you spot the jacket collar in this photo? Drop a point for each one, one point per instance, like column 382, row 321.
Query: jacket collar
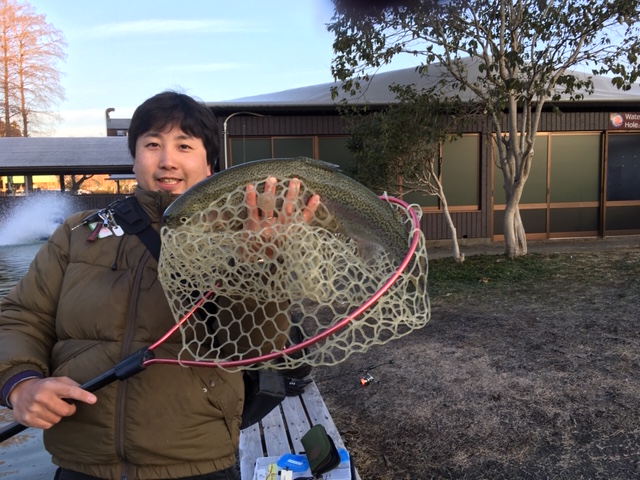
column 154, row 203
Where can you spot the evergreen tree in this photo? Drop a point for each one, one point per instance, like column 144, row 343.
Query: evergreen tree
column 14, row 129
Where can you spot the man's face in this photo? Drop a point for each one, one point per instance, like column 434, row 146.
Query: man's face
column 170, row 160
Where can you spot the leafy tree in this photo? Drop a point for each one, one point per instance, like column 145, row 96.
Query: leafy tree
column 399, row 150
column 14, row 129
column 73, row 183
column 30, row 51
column 511, row 57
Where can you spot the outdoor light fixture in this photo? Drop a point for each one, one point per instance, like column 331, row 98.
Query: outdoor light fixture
column 225, row 133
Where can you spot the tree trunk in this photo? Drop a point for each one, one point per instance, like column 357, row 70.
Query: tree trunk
column 455, row 247
column 5, row 90
column 515, row 240
column 21, row 92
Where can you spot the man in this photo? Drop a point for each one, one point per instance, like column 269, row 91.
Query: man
column 91, row 299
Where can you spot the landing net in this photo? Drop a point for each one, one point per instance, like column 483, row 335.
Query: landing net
column 292, row 294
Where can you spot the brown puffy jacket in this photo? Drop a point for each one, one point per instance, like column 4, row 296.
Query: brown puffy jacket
column 82, row 307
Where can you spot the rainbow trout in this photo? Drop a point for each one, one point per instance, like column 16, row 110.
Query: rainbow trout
column 359, row 212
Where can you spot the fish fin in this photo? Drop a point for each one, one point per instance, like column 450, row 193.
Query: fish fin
column 368, row 249
column 331, row 167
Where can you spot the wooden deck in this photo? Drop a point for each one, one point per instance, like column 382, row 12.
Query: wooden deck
column 280, row 432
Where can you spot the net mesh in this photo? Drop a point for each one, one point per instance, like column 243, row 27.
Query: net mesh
column 292, row 281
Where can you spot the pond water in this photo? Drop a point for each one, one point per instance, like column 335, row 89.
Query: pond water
column 23, row 456
column 14, row 262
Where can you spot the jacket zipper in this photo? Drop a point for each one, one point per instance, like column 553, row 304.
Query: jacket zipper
column 129, row 334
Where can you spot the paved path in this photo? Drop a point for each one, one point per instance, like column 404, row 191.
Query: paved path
column 548, row 246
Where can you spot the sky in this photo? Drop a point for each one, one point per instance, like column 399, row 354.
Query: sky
column 121, row 52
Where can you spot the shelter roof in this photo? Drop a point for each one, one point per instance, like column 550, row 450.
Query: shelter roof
column 64, row 155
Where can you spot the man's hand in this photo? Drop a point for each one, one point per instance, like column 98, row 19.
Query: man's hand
column 261, row 207
column 264, row 217
column 42, row 402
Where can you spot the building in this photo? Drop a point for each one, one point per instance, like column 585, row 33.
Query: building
column 116, row 127
column 585, row 179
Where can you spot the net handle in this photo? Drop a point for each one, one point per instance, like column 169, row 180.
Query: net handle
column 139, row 360
column 329, row 331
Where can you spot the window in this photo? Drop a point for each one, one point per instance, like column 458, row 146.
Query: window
column 248, row 149
column 623, row 167
column 334, row 150
column 535, row 188
column 293, row 147
column 460, row 176
column 575, row 168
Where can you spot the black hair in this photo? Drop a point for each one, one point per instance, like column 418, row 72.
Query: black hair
column 173, row 109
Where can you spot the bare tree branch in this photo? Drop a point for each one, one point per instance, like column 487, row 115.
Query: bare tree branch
column 31, row 52
column 525, row 52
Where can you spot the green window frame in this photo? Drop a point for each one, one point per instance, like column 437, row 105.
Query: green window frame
column 535, row 189
column 623, row 167
column 575, row 168
column 334, row 150
column 289, row 147
column 461, row 172
column 248, row 149
column 460, row 176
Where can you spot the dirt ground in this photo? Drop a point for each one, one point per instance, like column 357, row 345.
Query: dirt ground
column 537, row 377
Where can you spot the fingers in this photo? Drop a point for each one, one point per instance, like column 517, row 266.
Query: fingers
column 74, row 392
column 42, row 403
column 290, row 198
column 262, row 208
column 266, row 217
column 311, row 207
column 252, row 203
column 267, row 201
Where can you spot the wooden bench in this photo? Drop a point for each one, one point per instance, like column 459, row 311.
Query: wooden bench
column 281, row 430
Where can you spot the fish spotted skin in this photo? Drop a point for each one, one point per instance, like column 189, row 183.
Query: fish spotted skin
column 358, row 210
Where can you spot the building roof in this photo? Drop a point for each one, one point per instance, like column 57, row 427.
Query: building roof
column 62, row 155
column 118, row 123
column 376, row 91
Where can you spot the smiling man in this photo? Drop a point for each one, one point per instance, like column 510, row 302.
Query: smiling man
column 172, row 151
column 92, row 297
